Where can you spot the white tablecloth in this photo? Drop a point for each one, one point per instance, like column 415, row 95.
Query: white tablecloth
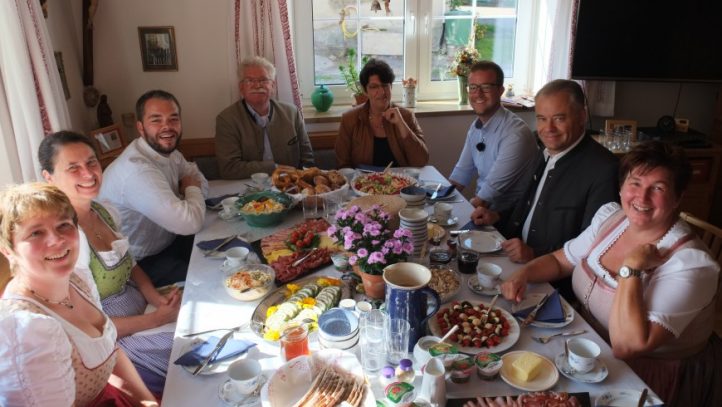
column 206, row 305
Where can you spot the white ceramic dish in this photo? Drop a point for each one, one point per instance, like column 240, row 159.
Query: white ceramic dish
column 254, row 293
column 507, row 342
column 596, row 375
column 292, row 380
column 431, row 185
column 446, row 297
column 234, row 400
column 546, row 379
column 338, row 324
column 476, row 288
column 533, row 299
column 229, row 217
column 624, row 398
column 480, row 241
column 408, row 179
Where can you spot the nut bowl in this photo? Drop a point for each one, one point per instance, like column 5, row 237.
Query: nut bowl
column 249, row 282
column 259, row 212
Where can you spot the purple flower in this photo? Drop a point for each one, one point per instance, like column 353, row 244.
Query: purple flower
column 331, row 230
column 362, row 252
column 408, row 248
column 352, row 260
column 377, row 257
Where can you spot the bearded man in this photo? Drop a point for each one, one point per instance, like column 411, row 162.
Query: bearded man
column 160, row 195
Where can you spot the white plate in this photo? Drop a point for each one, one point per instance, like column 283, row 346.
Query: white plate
column 595, row 375
column 507, row 342
column 292, row 380
column 533, row 299
column 411, row 181
column 212, row 368
column 432, row 186
column 624, row 398
column 475, row 287
column 480, row 241
column 546, row 379
column 449, row 222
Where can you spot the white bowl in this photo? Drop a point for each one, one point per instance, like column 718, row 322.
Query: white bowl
column 343, row 345
column 338, row 324
column 421, row 349
column 260, row 178
column 252, row 293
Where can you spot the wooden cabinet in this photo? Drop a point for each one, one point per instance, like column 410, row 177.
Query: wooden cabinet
column 699, row 199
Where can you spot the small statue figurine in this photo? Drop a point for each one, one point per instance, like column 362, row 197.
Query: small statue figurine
column 105, row 115
column 510, row 91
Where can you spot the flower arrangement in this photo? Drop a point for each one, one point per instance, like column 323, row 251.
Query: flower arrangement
column 366, row 234
column 409, row 83
column 463, row 60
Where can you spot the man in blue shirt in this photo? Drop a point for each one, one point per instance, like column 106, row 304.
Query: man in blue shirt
column 499, row 147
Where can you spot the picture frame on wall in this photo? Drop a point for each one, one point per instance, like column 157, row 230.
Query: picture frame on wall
column 108, row 141
column 612, row 125
column 157, row 48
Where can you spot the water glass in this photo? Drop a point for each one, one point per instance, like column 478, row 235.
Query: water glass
column 332, row 205
column 397, row 339
column 372, row 341
column 313, row 207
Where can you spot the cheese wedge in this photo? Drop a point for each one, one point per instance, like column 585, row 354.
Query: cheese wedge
column 527, row 366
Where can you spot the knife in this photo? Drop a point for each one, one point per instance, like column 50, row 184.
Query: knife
column 214, row 352
column 223, row 243
column 529, row 318
column 642, row 398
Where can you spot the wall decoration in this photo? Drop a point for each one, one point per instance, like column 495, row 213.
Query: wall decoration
column 108, row 141
column 157, row 48
column 614, row 125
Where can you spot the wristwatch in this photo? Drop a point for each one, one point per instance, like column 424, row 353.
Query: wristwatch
column 626, row 272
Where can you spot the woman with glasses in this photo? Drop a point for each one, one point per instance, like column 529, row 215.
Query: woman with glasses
column 378, row 132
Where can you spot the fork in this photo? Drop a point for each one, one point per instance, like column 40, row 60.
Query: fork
column 545, row 339
column 214, row 251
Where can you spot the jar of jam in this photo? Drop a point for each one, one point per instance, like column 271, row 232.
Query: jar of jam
column 451, row 243
column 294, row 342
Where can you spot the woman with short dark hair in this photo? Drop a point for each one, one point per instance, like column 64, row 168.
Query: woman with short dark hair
column 378, row 132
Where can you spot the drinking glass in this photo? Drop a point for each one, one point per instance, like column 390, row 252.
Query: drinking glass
column 397, row 339
column 313, row 207
column 372, row 341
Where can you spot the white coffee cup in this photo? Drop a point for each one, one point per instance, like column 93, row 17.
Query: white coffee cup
column 363, row 306
column 229, row 205
column 442, row 212
column 261, row 179
column 583, row 354
column 244, row 376
column 488, row 274
column 347, row 304
column 235, row 256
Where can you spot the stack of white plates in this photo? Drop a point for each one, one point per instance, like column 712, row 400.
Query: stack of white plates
column 415, row 220
column 338, row 329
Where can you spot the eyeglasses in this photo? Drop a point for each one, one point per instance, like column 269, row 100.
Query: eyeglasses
column 485, row 87
column 377, row 86
column 250, row 81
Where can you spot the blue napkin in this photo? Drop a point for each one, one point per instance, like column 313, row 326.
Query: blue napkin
column 472, row 226
column 199, row 353
column 552, row 310
column 443, row 191
column 212, row 244
column 370, row 168
column 217, row 200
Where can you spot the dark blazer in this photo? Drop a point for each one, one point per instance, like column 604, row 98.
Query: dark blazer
column 582, row 181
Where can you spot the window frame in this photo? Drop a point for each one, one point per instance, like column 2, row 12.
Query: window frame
column 417, row 53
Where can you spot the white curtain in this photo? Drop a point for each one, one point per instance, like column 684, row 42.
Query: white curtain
column 553, row 41
column 262, row 27
column 32, row 102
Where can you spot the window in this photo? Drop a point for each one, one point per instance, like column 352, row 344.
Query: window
column 418, row 38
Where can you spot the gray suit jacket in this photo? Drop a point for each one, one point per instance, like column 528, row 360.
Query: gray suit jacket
column 239, row 140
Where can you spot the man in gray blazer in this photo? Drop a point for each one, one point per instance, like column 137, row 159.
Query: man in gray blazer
column 256, row 133
column 574, row 176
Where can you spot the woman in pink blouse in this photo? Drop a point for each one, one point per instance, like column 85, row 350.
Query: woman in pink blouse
column 57, row 347
column 645, row 280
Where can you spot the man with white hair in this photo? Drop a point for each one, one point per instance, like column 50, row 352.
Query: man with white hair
column 257, row 133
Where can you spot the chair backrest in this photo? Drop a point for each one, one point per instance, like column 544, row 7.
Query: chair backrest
column 711, row 235
column 4, row 272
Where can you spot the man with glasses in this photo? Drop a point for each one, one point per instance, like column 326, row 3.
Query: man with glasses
column 257, row 133
column 574, row 177
column 499, row 146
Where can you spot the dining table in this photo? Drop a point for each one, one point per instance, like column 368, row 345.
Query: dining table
column 206, row 305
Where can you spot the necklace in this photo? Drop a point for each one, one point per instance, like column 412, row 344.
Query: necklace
column 92, row 226
column 64, row 302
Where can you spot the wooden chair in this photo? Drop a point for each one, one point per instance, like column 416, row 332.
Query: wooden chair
column 711, row 235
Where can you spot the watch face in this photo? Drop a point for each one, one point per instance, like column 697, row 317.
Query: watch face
column 624, row 272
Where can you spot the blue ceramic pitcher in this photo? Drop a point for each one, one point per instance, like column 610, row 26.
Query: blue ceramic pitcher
column 409, row 298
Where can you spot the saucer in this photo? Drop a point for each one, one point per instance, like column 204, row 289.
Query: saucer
column 228, row 217
column 595, row 375
column 241, row 400
column 475, row 287
column 449, row 222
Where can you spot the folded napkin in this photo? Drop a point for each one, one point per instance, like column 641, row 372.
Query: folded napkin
column 199, row 353
column 443, row 191
column 217, row 200
column 552, row 310
column 370, row 168
column 212, row 244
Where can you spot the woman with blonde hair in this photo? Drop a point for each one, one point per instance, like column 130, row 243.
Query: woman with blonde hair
column 58, row 347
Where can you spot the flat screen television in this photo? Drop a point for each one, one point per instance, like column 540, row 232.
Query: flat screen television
column 648, row 40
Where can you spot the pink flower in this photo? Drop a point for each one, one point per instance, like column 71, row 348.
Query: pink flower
column 362, row 252
column 352, row 260
column 377, row 257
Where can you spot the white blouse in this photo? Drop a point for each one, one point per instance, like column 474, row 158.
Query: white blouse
column 35, row 353
column 674, row 293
